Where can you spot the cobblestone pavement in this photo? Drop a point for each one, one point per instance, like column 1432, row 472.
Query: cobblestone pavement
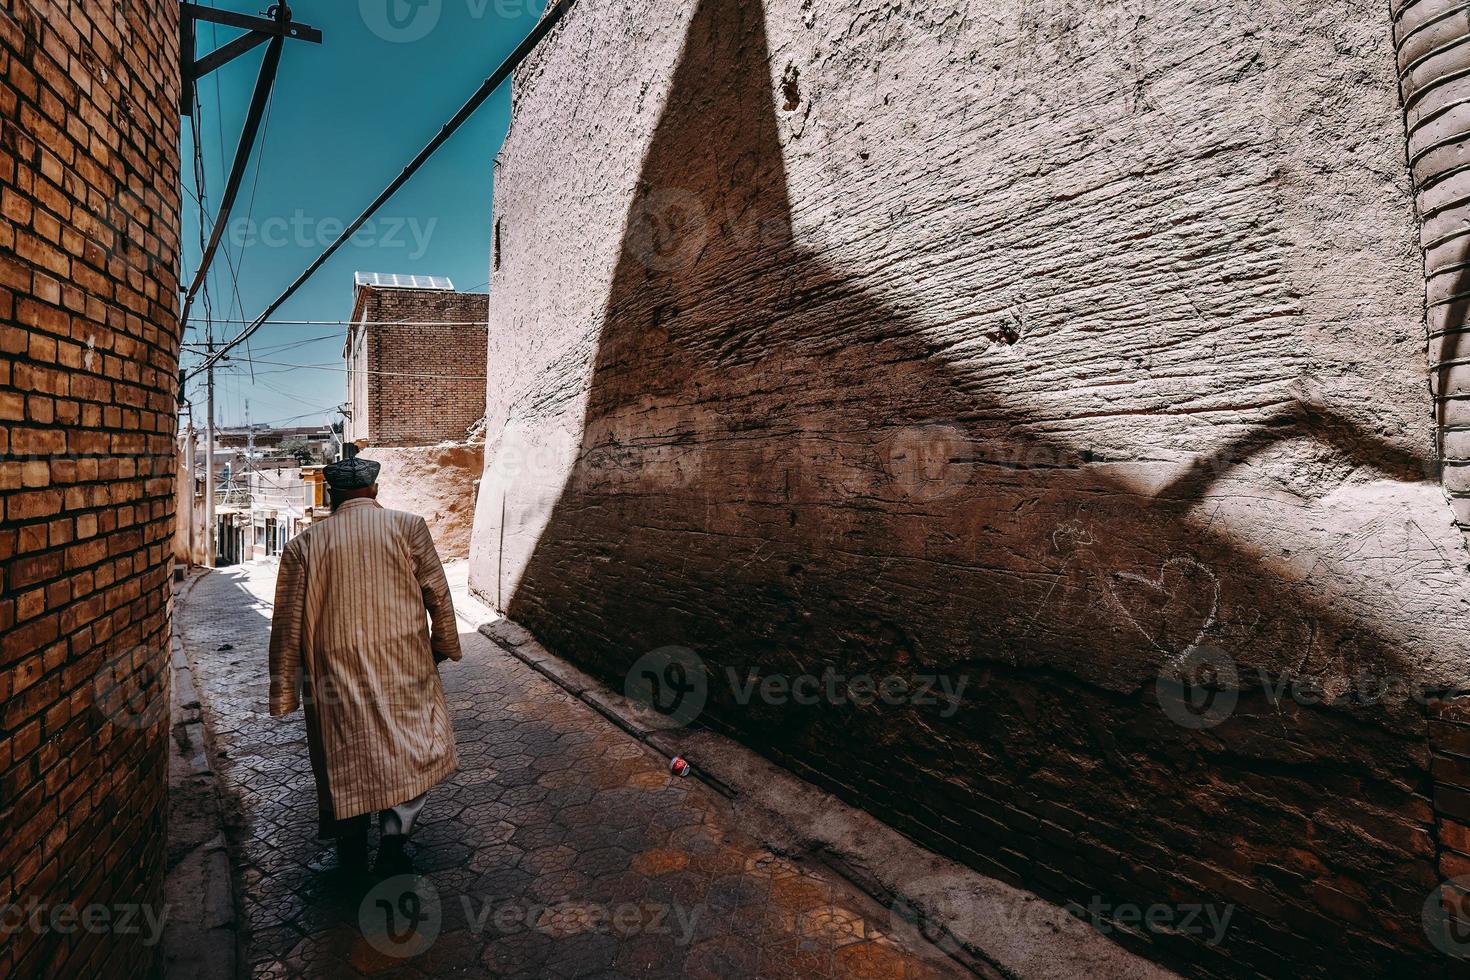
column 562, row 848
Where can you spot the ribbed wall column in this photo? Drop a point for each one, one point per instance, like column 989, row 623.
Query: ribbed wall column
column 1432, row 40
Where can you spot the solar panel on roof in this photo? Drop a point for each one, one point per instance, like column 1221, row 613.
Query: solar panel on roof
column 390, row 280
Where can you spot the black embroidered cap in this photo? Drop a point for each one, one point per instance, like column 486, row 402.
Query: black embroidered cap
column 351, row 474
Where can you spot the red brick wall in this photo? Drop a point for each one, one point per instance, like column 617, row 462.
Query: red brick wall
column 88, row 360
column 429, row 383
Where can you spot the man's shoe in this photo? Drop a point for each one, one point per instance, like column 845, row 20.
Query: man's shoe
column 393, row 857
column 352, row 847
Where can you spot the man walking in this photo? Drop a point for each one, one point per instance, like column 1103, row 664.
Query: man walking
column 350, row 642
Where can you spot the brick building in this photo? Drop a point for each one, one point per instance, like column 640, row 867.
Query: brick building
column 415, row 360
column 1051, row 352
column 89, row 339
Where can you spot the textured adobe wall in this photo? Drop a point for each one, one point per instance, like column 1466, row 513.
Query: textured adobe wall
column 1040, row 346
column 187, row 496
column 89, row 234
column 438, row 484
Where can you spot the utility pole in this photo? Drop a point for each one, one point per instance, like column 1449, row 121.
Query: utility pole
column 210, row 529
column 190, row 487
column 272, row 32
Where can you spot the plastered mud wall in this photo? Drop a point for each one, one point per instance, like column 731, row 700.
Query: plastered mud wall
column 438, row 484
column 1072, row 354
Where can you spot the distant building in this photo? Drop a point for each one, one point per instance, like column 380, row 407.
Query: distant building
column 262, row 500
column 415, row 361
column 282, row 504
column 316, row 438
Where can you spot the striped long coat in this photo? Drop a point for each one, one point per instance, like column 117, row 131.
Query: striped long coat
column 350, row 639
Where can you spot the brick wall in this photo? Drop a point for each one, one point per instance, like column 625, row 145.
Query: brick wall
column 1449, row 746
column 425, row 384
column 89, row 173
column 1045, row 352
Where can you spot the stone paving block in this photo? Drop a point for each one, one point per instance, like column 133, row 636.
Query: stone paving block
column 562, row 847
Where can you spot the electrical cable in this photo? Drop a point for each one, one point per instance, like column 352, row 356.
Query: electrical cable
column 385, row 374
column 196, row 137
column 293, row 418
column 358, row 323
column 264, row 82
column 486, row 89
column 235, row 270
column 285, row 347
column 265, row 135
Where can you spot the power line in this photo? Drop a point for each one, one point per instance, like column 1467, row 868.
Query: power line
column 201, row 185
column 264, row 83
column 386, row 374
column 251, row 468
column 363, row 323
column 237, row 269
column 486, row 89
column 265, row 135
column 293, row 418
column 268, row 386
column 252, row 359
column 258, row 376
column 219, row 130
column 200, row 274
column 284, row 347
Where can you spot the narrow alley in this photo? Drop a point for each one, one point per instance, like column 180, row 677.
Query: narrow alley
column 927, row 489
column 562, row 848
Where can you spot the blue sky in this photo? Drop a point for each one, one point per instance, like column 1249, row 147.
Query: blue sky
column 347, row 115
